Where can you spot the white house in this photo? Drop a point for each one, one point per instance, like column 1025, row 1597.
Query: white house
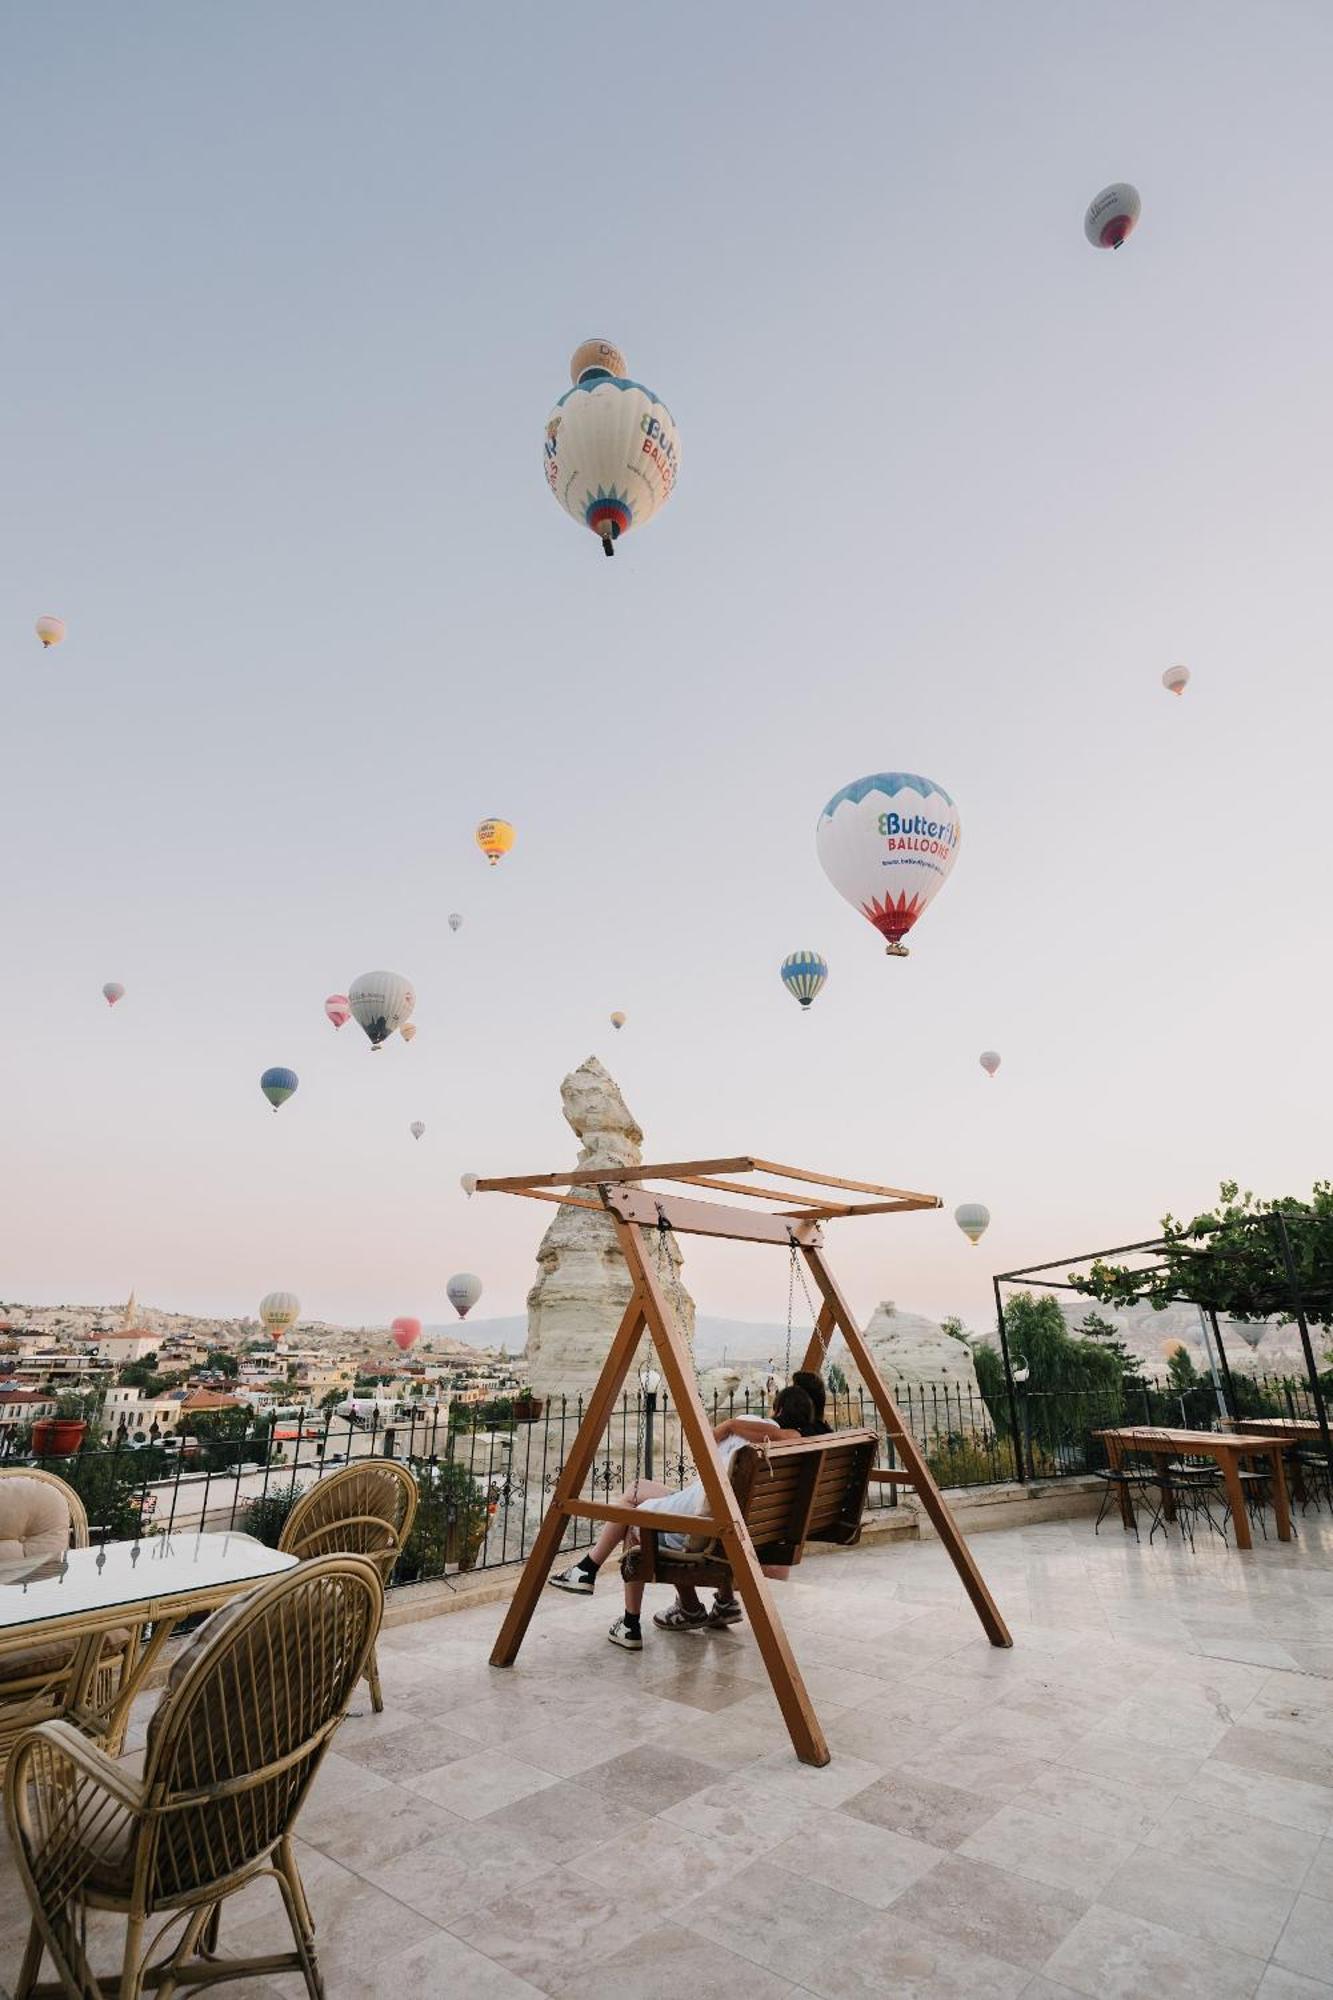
column 130, row 1410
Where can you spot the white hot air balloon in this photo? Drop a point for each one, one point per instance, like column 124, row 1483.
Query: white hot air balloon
column 973, row 1220
column 50, row 631
column 612, row 452
column 1176, row 679
column 113, row 991
column 279, row 1312
column 463, row 1291
column 1111, row 215
column 989, row 1061
column 416, row 1128
column 1251, row 1331
column 468, row 1183
column 380, row 1003
column 887, row 843
column 455, row 920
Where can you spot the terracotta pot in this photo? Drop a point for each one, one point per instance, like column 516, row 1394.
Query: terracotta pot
column 58, row 1437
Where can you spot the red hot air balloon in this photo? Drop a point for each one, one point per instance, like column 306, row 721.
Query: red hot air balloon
column 337, row 1009
column 406, row 1333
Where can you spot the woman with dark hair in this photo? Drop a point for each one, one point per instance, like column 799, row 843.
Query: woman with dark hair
column 792, row 1409
column 806, row 1378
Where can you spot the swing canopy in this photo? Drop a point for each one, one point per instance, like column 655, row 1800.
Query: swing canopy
column 626, row 1192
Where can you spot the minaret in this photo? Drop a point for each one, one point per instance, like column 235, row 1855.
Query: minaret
column 130, row 1317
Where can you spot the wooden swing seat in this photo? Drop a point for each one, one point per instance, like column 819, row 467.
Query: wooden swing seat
column 788, row 1495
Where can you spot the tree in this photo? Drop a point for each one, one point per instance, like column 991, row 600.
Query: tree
column 1231, row 1260
column 218, row 1362
column 1180, row 1370
column 1096, row 1327
column 836, row 1379
column 1037, row 1334
column 955, row 1329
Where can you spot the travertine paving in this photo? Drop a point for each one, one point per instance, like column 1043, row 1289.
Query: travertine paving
column 1137, row 1800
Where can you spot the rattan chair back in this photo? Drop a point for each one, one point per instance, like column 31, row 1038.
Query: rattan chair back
column 365, row 1510
column 78, row 1513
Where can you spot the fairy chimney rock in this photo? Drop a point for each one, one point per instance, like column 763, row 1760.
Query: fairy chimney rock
column 583, row 1285
column 932, row 1374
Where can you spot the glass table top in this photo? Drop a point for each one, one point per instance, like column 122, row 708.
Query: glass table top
column 120, row 1573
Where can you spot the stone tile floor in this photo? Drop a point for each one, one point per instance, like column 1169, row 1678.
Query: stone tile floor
column 1137, row 1800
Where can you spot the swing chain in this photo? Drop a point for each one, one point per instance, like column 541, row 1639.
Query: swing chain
column 795, row 1272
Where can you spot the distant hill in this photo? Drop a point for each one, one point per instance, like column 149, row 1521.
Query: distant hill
column 714, row 1339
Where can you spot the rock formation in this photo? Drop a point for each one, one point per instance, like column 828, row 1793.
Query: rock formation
column 583, row 1287
column 931, row 1374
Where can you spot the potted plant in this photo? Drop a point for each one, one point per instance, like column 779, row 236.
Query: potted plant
column 61, row 1435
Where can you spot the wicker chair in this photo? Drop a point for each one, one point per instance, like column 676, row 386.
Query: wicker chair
column 232, row 1750
column 364, row 1510
column 42, row 1517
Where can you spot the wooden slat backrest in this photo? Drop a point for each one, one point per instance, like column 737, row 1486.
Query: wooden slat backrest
column 803, row 1492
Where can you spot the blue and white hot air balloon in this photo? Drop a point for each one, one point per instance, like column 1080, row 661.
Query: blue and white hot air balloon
column 803, row 975
column 278, row 1085
column 887, row 843
column 612, row 450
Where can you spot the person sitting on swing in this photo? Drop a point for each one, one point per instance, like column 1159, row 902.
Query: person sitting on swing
column 792, row 1410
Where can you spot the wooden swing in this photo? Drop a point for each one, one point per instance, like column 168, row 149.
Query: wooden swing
column 814, row 1482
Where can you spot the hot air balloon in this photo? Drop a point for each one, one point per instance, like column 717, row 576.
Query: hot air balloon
column 406, row 1333
column 279, row 1312
column 887, row 844
column 337, row 1009
column 1176, row 679
column 1251, row 1331
column 1111, row 215
column 50, row 631
column 408, row 1031
column 468, row 1183
column 416, row 1128
column 495, row 837
column 612, row 452
column 278, row 1085
column 803, row 975
column 989, row 1061
column 617, row 1021
column 380, row 1003
column 973, row 1220
column 113, row 991
column 463, row 1291
column 455, row 920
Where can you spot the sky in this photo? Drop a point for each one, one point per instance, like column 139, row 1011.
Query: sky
column 290, row 294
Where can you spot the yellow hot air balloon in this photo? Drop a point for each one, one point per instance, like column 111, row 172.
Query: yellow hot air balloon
column 50, row 630
column 495, row 837
column 617, row 1019
column 407, row 1030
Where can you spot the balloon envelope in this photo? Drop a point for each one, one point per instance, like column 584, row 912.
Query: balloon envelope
column 113, row 991
column 803, row 975
column 380, row 1003
column 278, row 1085
column 337, row 1009
column 468, row 1183
column 463, row 1291
column 416, row 1128
column 50, row 630
column 455, row 920
column 612, row 449
column 617, row 1020
column 1111, row 215
column 278, row 1312
column 495, row 837
column 887, row 843
column 973, row 1220
column 406, row 1332
column 1176, row 679
column 989, row 1061
column 408, row 1031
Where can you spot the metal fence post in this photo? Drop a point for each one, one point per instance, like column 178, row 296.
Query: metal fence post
column 1010, row 1394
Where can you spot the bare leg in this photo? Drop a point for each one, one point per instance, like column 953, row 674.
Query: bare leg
column 613, row 1534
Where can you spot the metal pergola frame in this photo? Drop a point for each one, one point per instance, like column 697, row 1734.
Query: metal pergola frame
column 1290, row 1301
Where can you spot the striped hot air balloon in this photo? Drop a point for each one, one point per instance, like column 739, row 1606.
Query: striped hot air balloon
column 973, row 1219
column 803, row 975
column 279, row 1312
column 337, row 1009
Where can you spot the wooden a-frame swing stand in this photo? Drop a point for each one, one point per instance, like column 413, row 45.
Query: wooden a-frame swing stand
column 621, row 1194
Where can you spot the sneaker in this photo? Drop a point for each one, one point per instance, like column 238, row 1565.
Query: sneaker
column 678, row 1619
column 725, row 1611
column 620, row 1635
column 576, row 1579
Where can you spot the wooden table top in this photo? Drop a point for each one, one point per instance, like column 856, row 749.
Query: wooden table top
column 1289, row 1427
column 1187, row 1441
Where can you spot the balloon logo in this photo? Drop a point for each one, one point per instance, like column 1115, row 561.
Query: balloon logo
column 113, row 991
column 455, row 920
column 380, row 1003
column 887, row 843
column 1176, row 679
column 468, row 1183
column 803, row 975
column 278, row 1085
column 416, row 1128
column 463, row 1291
column 279, row 1312
column 495, row 837
column 973, row 1220
column 612, row 450
column 50, row 631
column 337, row 1009
column 1111, row 216
column 406, row 1332
column 617, row 1021
column 989, row 1061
